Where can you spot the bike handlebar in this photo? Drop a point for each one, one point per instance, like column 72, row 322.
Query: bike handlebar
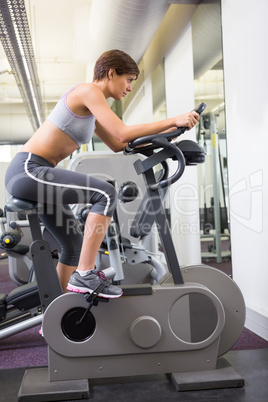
column 162, row 140
column 149, row 139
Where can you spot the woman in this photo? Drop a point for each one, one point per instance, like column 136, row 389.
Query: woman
column 32, row 174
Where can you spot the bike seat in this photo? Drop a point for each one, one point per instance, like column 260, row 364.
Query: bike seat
column 15, row 204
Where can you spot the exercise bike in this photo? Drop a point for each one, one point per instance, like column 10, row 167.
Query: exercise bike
column 184, row 323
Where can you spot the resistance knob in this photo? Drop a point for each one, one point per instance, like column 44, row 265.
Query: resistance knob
column 128, row 191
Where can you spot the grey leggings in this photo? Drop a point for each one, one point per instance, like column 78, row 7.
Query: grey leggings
column 34, row 178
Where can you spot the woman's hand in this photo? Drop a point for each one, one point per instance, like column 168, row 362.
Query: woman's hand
column 188, row 120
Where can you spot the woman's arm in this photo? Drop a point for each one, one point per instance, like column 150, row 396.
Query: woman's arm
column 110, row 124
column 108, row 139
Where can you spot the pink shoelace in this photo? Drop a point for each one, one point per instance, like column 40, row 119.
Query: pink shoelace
column 101, row 275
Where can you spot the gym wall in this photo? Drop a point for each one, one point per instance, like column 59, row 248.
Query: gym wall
column 245, row 30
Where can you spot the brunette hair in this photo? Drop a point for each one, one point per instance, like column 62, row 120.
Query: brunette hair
column 120, row 61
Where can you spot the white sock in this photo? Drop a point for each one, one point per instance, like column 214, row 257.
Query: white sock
column 83, row 273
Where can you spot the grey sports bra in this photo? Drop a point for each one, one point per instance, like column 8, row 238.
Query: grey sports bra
column 79, row 128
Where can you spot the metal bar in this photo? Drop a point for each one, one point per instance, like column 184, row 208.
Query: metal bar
column 163, row 228
column 216, row 188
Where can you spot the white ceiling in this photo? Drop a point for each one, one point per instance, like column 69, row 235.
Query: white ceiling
column 69, row 35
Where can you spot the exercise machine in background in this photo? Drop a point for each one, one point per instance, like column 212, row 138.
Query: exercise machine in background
column 214, row 213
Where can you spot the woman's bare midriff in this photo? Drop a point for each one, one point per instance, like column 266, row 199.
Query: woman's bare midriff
column 50, row 143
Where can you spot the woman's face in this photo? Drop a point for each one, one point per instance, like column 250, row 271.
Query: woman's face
column 121, row 85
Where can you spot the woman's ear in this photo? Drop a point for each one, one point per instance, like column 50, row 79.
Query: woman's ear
column 111, row 73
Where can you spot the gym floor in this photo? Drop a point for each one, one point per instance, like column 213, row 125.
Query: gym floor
column 252, row 365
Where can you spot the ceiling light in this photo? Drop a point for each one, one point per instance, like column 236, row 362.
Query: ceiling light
column 16, row 40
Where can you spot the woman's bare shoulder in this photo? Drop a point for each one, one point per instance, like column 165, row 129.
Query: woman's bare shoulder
column 88, row 88
column 83, row 98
